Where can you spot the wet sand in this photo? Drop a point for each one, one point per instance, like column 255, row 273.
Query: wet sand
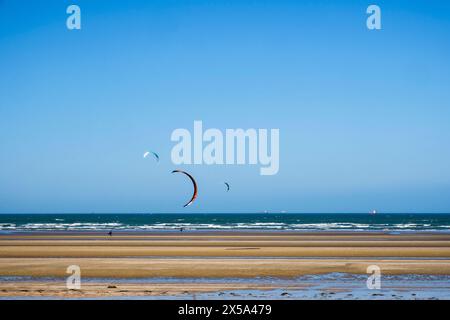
column 99, row 289
column 208, row 255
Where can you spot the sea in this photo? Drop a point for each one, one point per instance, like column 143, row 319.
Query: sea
column 226, row 222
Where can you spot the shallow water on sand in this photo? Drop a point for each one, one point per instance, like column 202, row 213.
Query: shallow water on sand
column 334, row 286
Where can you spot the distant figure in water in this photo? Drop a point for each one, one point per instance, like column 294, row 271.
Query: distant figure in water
column 181, row 229
column 110, row 233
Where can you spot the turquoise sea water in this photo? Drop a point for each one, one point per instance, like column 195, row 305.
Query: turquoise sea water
column 195, row 222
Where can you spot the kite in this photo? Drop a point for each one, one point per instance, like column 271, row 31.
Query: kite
column 194, row 195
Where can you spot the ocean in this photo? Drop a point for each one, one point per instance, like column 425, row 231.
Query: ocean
column 206, row 222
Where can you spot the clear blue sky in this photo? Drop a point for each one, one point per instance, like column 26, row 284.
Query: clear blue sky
column 364, row 116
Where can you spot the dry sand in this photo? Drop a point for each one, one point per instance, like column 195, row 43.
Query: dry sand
column 207, row 255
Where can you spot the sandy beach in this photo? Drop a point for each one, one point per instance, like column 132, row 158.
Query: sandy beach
column 221, row 255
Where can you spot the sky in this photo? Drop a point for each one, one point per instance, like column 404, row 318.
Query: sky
column 364, row 115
